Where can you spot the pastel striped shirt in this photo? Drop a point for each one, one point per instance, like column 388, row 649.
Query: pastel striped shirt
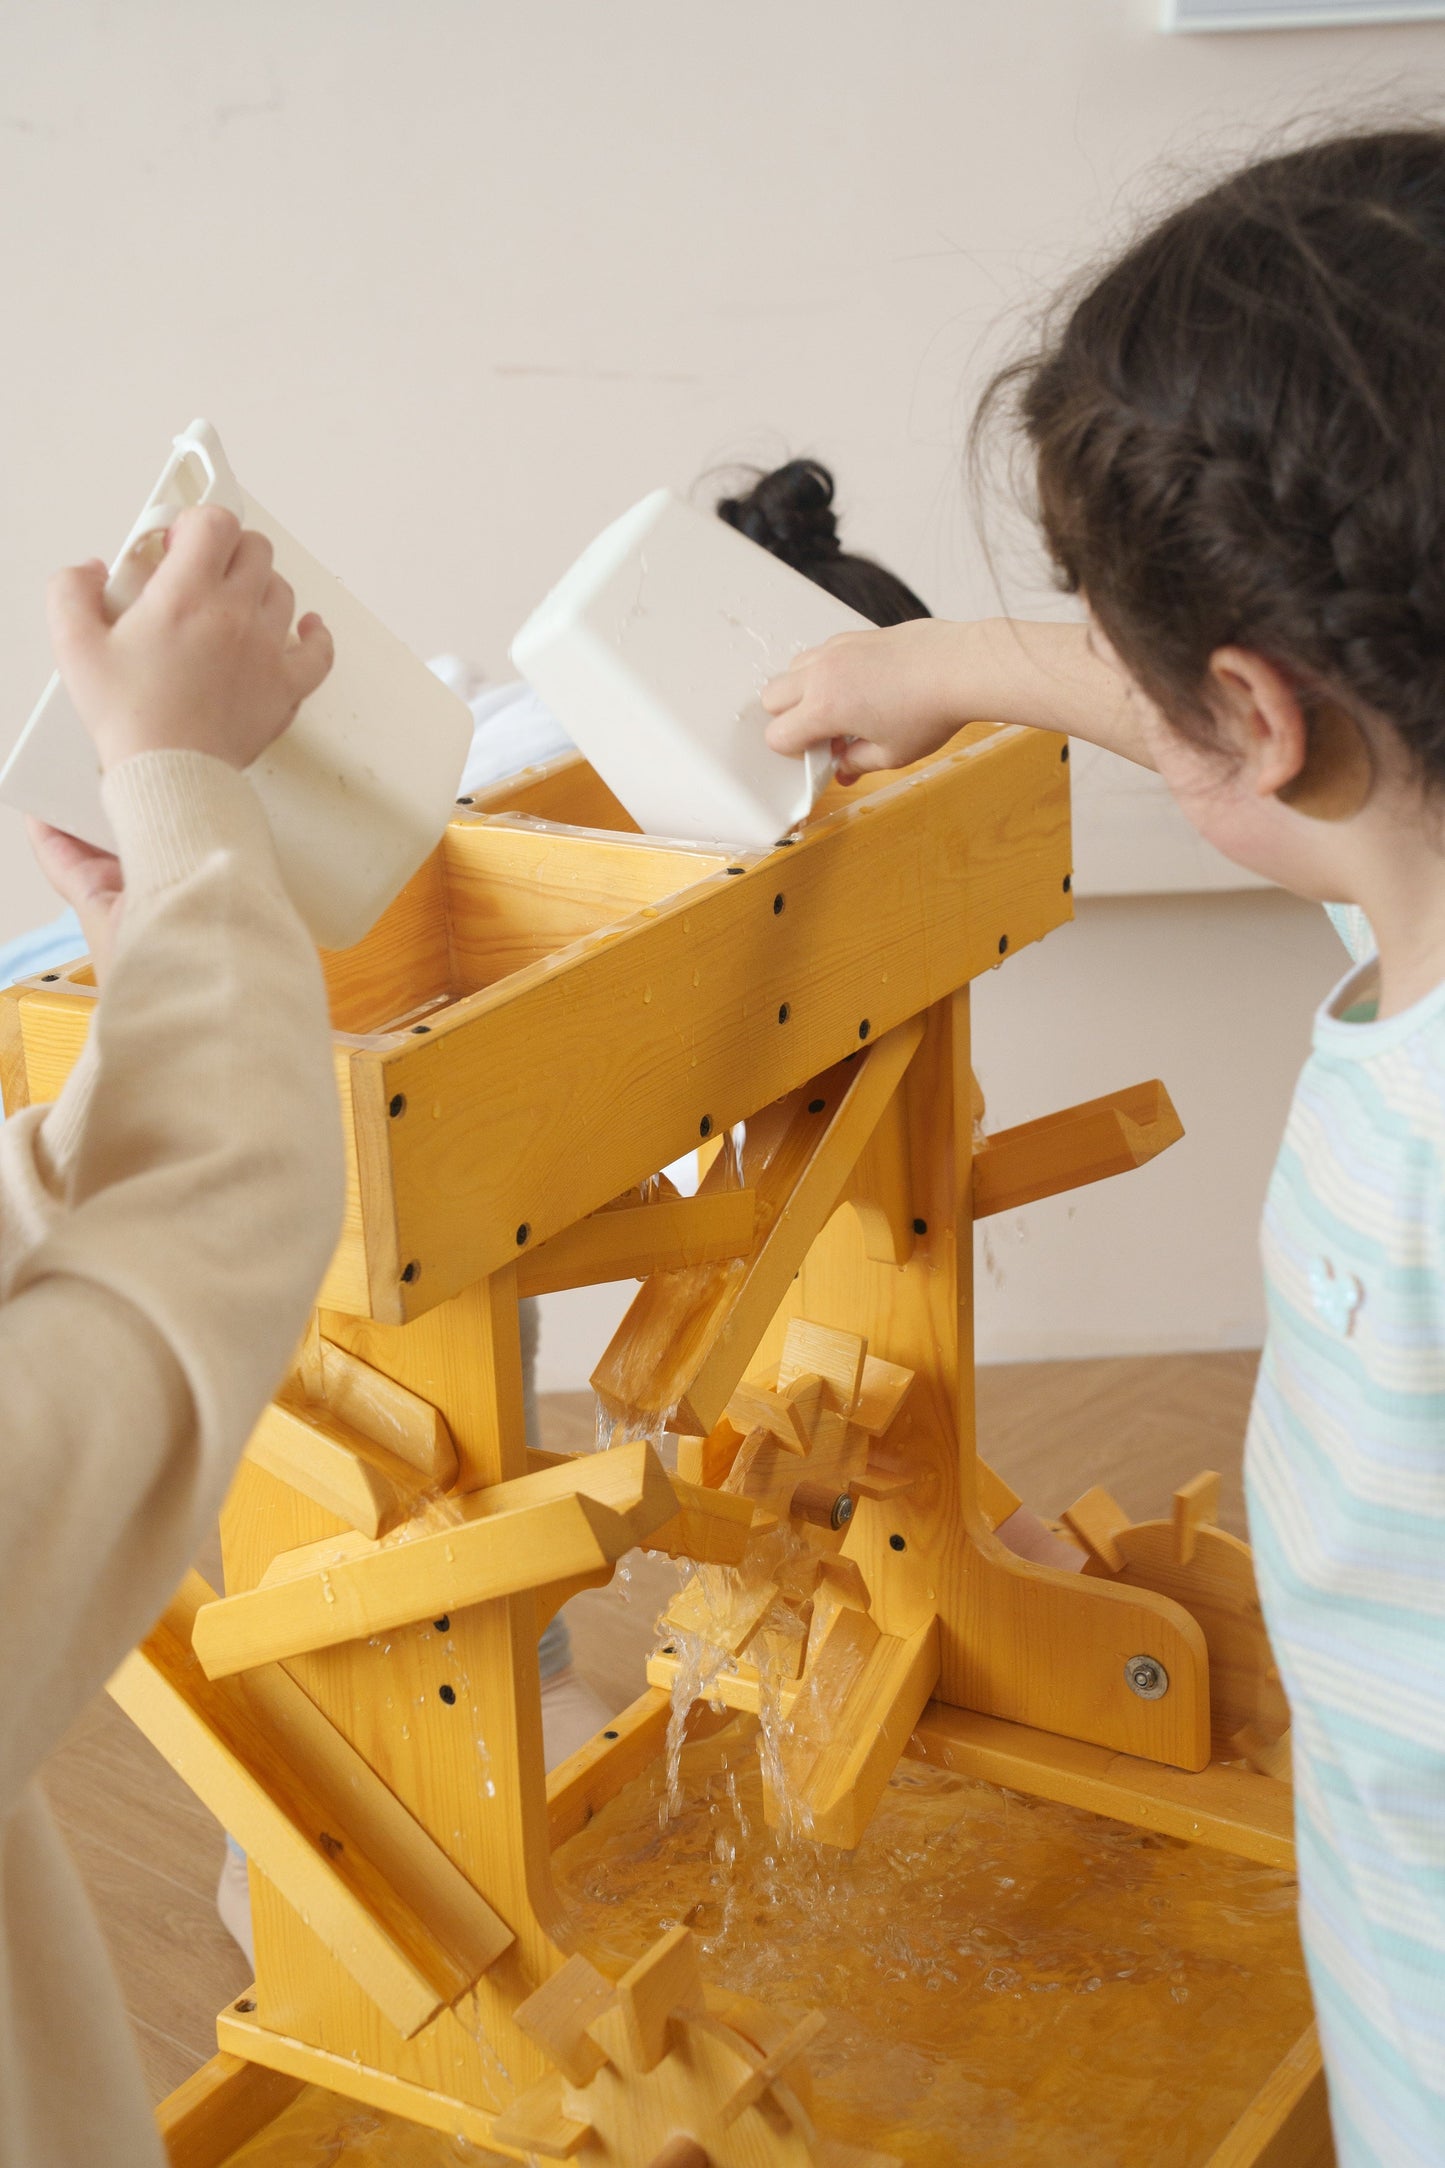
column 1345, row 1470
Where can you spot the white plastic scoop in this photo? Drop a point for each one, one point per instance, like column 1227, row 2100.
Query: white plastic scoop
column 362, row 784
column 652, row 652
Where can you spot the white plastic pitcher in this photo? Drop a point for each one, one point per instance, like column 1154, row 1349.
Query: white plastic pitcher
column 360, row 787
column 652, row 652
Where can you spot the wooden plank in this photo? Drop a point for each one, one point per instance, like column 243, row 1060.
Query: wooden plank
column 383, row 1410
column 242, row 2032
column 872, row 1729
column 1287, row 2124
column 800, row 2037
column 392, row 977
column 565, row 789
column 557, row 2016
column 316, row 1820
column 549, row 1093
column 363, row 1485
column 688, row 1337
column 1082, row 1144
column 668, row 1236
column 597, row 1772
column 881, row 1188
column 523, row 1534
column 1232, row 1809
column 666, row 1979
column 521, row 890
column 710, row 1527
column 467, row 1763
column 203, row 2122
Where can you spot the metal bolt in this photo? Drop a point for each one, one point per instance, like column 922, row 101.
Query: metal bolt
column 842, row 1510
column 1147, row 1677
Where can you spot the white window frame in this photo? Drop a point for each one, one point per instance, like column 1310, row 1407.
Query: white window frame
column 1182, row 15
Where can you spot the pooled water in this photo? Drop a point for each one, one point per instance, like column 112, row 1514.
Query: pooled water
column 1005, row 1981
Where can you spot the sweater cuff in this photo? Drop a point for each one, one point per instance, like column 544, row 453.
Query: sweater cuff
column 172, row 811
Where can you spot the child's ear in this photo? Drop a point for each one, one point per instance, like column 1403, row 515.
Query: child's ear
column 1312, row 756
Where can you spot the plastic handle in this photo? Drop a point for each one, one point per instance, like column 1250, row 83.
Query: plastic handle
column 145, row 544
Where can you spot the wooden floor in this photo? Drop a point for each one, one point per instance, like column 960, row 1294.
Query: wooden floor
column 150, row 1854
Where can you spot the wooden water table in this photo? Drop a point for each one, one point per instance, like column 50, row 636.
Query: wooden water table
column 555, row 1009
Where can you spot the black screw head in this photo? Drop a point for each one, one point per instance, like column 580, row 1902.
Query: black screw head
column 464, row 801
column 920, row 1227
column 784, row 1013
column 443, row 1624
column 734, row 869
column 610, row 1735
column 704, row 1127
column 816, row 1106
column 524, row 1234
column 246, row 2005
column 411, row 1273
column 418, row 1029
column 1003, row 944
column 48, row 978
column 448, row 1695
column 1063, row 752
column 778, row 905
column 896, row 1543
column 670, row 1650
column 396, row 1105
column 1068, row 883
column 864, row 1028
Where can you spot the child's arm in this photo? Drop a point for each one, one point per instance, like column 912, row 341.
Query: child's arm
column 166, row 1223
column 898, row 694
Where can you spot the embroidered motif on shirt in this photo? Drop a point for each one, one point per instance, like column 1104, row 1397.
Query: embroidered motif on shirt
column 1337, row 1296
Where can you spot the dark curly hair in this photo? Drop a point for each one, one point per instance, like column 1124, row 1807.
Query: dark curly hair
column 790, row 512
column 1239, row 435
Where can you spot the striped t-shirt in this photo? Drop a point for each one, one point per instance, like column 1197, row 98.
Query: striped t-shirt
column 1345, row 1469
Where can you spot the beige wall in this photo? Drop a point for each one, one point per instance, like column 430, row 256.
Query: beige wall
column 458, row 280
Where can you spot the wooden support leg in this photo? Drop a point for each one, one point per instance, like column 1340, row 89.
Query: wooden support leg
column 1016, row 1640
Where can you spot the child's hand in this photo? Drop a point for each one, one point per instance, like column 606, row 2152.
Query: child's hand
column 881, row 699
column 201, row 661
column 88, row 880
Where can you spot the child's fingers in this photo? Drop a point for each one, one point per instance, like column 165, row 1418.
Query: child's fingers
column 250, row 567
column 859, row 756
column 307, row 663
column 278, row 605
column 784, row 692
column 74, row 611
column 77, row 871
column 798, row 728
column 203, row 540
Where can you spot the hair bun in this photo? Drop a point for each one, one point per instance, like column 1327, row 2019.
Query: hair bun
column 789, row 512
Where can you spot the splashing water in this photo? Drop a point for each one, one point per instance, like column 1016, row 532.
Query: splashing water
column 1005, row 1981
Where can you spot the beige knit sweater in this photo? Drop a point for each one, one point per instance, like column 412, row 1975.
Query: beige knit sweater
column 163, row 1229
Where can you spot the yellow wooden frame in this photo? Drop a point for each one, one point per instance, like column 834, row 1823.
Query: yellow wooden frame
column 554, row 1009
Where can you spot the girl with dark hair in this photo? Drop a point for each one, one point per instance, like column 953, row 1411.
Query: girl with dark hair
column 1238, row 439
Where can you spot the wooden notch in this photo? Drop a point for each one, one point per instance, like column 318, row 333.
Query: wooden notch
column 1082, row 1144
column 554, row 1525
column 665, row 1981
column 316, row 1819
